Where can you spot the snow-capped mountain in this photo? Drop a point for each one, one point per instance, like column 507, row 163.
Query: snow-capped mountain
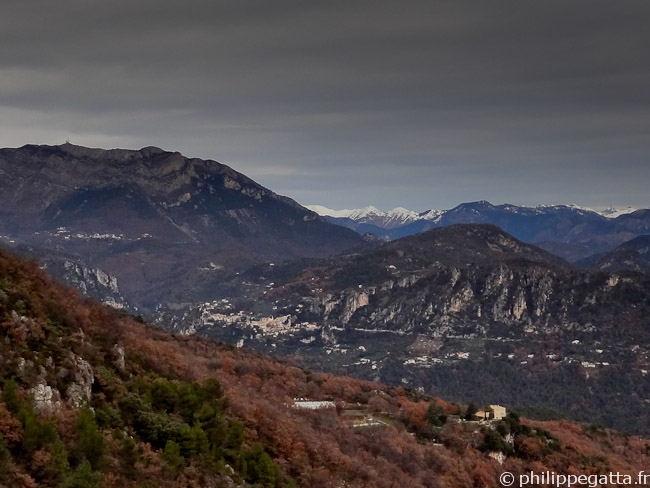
column 402, row 216
column 432, row 215
column 610, row 212
column 328, row 212
column 570, row 231
column 372, row 215
column 613, row 212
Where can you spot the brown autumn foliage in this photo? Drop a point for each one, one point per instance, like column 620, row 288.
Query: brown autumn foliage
column 317, row 449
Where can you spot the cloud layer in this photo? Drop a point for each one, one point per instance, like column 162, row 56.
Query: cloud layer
column 347, row 103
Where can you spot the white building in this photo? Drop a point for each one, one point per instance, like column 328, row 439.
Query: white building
column 312, row 405
column 491, row 412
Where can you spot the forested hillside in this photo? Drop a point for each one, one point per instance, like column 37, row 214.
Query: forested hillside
column 93, row 398
column 433, row 309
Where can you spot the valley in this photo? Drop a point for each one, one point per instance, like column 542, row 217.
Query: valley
column 464, row 310
column 324, row 244
column 516, row 325
column 92, row 397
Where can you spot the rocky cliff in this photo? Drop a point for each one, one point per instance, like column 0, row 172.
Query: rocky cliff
column 434, row 309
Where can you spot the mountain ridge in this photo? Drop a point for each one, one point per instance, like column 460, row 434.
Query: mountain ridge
column 354, row 214
column 570, row 231
column 429, row 310
column 633, row 256
column 153, row 218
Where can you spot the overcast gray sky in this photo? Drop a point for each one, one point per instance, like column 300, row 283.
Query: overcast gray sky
column 348, row 103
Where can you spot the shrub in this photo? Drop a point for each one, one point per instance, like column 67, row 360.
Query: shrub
column 10, row 395
column 82, row 477
column 163, row 395
column 471, row 410
column 38, row 434
column 128, row 457
column 435, row 415
column 5, row 457
column 172, row 455
column 90, row 441
column 259, row 466
column 494, row 442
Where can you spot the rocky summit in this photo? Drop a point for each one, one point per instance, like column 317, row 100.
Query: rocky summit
column 161, row 224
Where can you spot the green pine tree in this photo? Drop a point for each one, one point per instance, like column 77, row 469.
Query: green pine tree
column 172, row 455
column 82, row 477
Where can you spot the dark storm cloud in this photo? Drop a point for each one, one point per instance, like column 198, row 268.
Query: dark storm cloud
column 345, row 103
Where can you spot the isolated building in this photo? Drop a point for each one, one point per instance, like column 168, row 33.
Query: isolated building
column 491, row 412
column 312, row 405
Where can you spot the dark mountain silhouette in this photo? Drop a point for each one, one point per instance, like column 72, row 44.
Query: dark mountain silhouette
column 633, row 255
column 159, row 222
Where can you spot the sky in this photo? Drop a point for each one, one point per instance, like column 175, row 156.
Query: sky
column 421, row 104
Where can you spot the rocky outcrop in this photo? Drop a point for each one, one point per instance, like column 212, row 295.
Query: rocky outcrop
column 118, row 357
column 46, row 399
column 351, row 303
column 78, row 393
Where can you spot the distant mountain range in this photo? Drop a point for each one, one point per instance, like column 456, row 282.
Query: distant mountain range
column 402, row 216
column 453, row 302
column 392, row 219
column 569, row 231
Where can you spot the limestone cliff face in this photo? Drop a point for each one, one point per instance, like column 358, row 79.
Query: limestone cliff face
column 353, row 301
column 466, row 309
column 474, row 299
column 71, row 370
column 90, row 281
column 465, row 280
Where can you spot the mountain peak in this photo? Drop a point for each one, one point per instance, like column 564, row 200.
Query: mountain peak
column 476, row 243
column 192, row 211
column 365, row 212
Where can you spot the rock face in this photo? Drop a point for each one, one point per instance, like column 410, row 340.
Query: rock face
column 118, row 360
column 90, row 281
column 78, row 393
column 76, row 272
column 506, row 297
column 464, row 310
column 46, row 399
column 151, row 220
column 467, row 279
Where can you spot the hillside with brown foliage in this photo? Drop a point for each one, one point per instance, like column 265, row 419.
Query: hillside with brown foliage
column 91, row 397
